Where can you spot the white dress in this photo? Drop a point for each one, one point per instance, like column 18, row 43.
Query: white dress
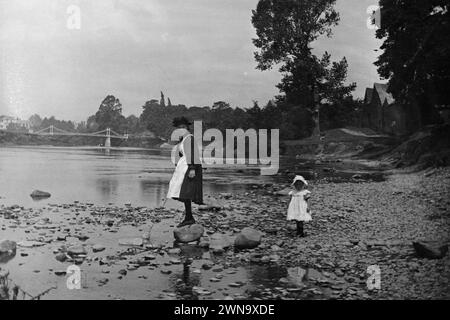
column 298, row 207
column 181, row 187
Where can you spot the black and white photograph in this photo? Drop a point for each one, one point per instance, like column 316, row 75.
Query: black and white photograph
column 237, row 152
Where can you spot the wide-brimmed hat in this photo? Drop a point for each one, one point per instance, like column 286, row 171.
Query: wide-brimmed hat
column 178, row 121
column 300, row 178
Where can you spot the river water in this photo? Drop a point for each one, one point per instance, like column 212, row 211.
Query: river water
column 99, row 176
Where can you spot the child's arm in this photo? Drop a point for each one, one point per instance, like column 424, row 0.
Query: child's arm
column 307, row 195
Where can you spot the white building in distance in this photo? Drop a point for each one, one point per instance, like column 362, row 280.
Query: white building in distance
column 5, row 121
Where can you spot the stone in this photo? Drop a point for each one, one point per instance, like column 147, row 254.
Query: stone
column 248, row 238
column 131, row 242
column 314, row 275
column 188, row 233
column 275, row 248
column 175, row 261
column 7, row 250
column 8, row 247
column 204, row 243
column 123, row 272
column 206, row 266
column 296, row 276
column 174, row 251
column 235, row 284
column 219, row 242
column 430, row 250
column 210, row 204
column 36, row 194
column 61, row 257
column 76, row 250
column 98, row 248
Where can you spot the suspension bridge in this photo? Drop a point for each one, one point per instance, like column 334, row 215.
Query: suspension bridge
column 108, row 134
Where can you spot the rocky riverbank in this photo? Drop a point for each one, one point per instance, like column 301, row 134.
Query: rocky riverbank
column 128, row 252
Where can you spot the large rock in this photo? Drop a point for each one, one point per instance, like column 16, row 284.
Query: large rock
column 248, row 238
column 188, row 233
column 219, row 242
column 430, row 250
column 37, row 194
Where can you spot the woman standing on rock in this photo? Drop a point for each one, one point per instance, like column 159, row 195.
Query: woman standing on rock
column 186, row 184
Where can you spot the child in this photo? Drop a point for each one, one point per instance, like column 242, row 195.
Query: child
column 298, row 207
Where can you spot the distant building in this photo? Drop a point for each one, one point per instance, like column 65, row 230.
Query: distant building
column 381, row 113
column 7, row 121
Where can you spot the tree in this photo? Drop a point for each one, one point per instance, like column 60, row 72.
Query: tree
column 285, row 30
column 162, row 101
column 132, row 124
column 169, row 103
column 416, row 55
column 91, row 124
column 109, row 115
column 156, row 118
column 35, row 122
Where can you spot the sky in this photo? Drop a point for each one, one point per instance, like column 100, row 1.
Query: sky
column 195, row 51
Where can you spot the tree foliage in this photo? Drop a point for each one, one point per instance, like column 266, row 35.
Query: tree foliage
column 109, row 115
column 285, row 30
column 416, row 53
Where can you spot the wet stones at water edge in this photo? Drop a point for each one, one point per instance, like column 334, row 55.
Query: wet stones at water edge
column 38, row 194
column 430, row 250
column 219, row 243
column 248, row 238
column 188, row 233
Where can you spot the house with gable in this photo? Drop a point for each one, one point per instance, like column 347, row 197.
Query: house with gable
column 381, row 113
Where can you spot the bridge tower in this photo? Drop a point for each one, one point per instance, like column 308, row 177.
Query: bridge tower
column 51, row 129
column 108, row 138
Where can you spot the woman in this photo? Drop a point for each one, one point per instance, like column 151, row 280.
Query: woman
column 186, row 184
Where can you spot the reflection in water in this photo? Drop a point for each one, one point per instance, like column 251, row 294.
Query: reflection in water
column 108, row 187
column 268, row 276
column 185, row 281
column 155, row 190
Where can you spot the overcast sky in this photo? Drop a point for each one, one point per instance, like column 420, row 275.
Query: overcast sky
column 195, row 51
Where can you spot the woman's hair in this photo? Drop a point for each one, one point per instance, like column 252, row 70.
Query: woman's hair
column 178, row 121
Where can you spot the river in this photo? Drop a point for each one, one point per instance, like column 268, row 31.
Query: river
column 99, row 176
